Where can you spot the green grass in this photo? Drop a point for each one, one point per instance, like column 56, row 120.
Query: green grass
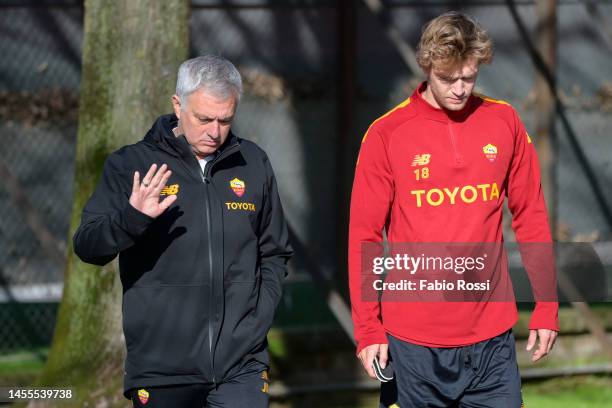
column 21, row 368
column 575, row 392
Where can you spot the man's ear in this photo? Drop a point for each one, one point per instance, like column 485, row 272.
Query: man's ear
column 176, row 104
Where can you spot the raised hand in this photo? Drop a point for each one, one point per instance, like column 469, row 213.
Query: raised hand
column 145, row 195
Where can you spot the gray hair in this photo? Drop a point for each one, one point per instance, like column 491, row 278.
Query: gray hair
column 212, row 73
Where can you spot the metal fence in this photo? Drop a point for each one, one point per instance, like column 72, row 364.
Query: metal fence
column 289, row 54
column 39, row 77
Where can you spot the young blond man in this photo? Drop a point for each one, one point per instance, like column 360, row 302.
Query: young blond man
column 437, row 168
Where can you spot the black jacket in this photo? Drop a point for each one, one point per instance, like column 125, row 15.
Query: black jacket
column 200, row 282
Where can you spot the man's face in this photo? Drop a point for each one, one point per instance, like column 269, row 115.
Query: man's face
column 450, row 87
column 205, row 120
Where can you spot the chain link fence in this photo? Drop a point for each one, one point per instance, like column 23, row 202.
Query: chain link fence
column 39, row 77
column 288, row 53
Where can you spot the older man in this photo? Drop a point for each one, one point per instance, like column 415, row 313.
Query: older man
column 193, row 212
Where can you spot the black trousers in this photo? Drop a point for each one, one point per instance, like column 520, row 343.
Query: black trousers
column 248, row 388
column 482, row 375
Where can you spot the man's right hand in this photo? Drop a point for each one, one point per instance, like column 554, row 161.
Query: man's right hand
column 145, row 195
column 369, row 353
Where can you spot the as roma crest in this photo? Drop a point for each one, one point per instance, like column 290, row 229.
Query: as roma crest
column 490, row 151
column 238, row 186
column 143, row 396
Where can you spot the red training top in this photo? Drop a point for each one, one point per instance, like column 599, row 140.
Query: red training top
column 430, row 175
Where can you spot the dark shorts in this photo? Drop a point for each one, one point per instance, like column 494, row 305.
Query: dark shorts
column 481, row 375
column 248, row 388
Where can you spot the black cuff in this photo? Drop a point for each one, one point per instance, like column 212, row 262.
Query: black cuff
column 134, row 222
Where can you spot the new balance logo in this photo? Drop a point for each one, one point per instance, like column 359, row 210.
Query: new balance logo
column 170, row 190
column 421, row 159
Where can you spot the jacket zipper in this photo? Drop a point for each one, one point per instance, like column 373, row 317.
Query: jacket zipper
column 211, row 293
column 456, row 155
column 206, row 181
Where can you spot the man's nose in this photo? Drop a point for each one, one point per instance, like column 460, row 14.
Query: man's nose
column 215, row 129
column 458, row 88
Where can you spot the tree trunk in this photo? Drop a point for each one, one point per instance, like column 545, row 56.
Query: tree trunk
column 546, row 41
column 131, row 53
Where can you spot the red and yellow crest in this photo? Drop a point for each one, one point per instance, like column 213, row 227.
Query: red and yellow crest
column 490, row 151
column 238, row 186
column 143, row 396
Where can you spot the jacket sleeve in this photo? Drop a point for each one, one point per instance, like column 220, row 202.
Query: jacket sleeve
column 109, row 224
column 274, row 252
column 530, row 224
column 371, row 199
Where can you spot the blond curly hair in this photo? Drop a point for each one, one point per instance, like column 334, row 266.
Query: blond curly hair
column 452, row 38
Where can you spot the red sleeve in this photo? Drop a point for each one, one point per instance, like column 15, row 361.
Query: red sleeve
column 371, row 200
column 530, row 224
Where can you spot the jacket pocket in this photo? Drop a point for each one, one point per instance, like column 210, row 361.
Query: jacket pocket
column 239, row 329
column 249, row 315
column 166, row 330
